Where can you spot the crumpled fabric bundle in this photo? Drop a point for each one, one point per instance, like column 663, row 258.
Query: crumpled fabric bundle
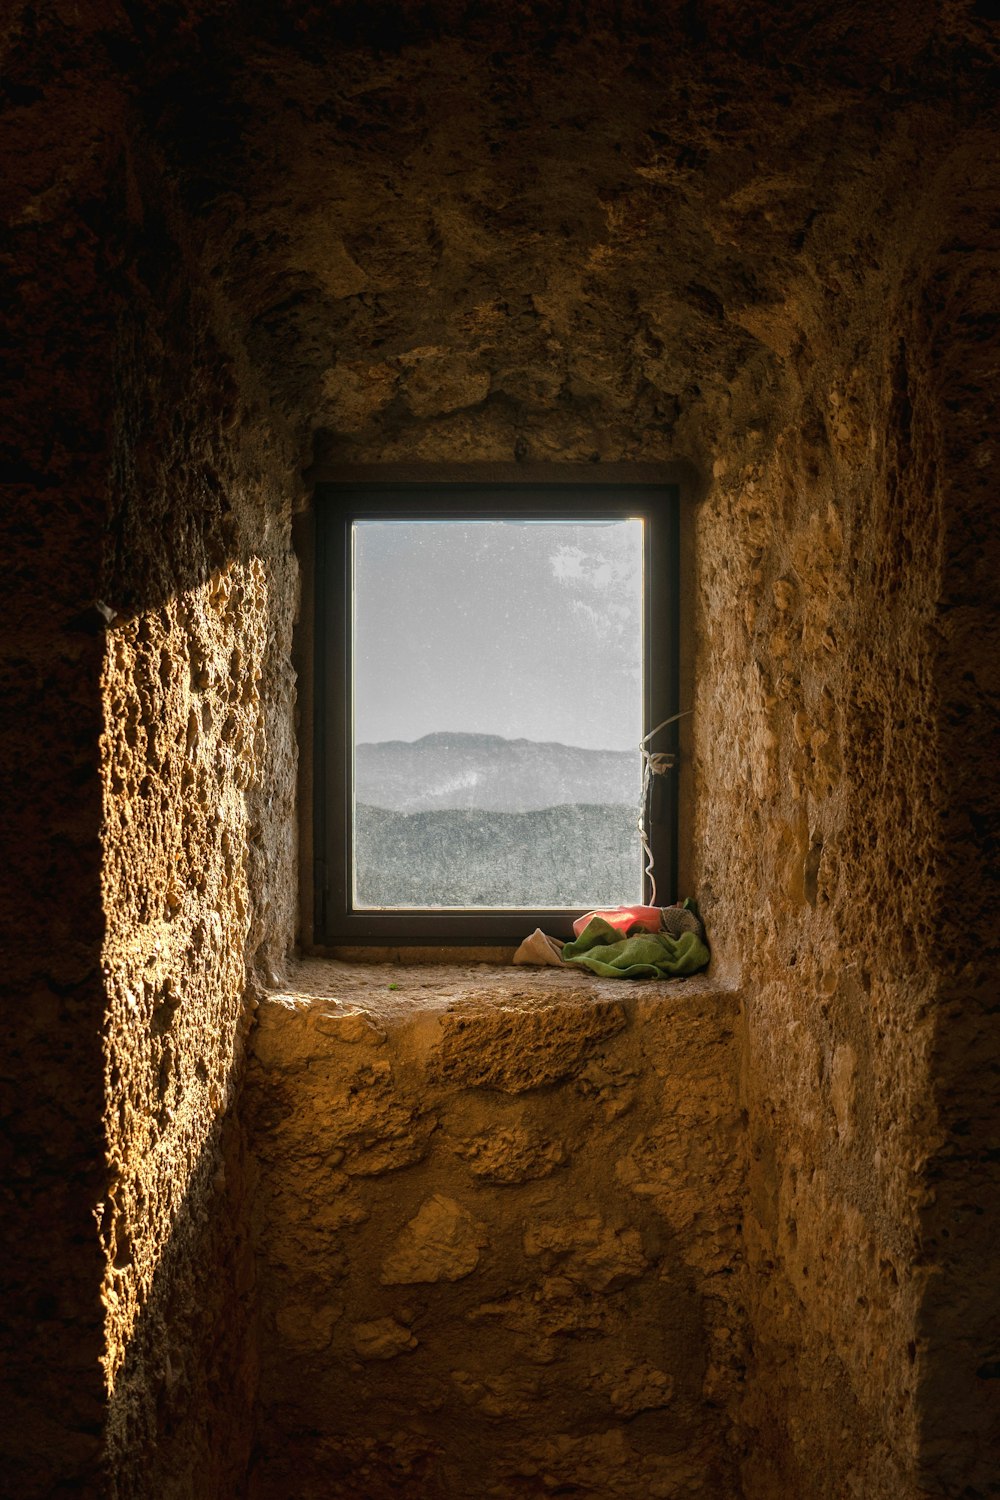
column 645, row 955
column 626, row 943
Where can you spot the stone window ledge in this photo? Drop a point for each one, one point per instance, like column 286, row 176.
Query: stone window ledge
column 391, row 989
column 479, row 1024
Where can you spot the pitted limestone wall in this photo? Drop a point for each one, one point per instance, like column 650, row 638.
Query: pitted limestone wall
column 816, row 846
column 198, row 764
column 956, row 312
column 149, row 773
column 498, row 1234
column 826, row 757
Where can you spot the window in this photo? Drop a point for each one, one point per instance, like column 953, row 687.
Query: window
column 488, row 659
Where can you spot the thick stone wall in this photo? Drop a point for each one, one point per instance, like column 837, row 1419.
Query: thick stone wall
column 148, row 797
column 198, row 764
column 63, row 121
column 957, row 312
column 826, row 760
column 813, row 876
column 498, row 1227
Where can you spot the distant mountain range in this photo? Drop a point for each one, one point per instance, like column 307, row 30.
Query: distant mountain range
column 489, row 773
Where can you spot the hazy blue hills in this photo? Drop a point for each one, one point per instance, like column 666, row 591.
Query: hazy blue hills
column 488, row 773
column 476, row 820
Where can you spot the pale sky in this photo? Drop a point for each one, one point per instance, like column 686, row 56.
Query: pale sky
column 526, row 630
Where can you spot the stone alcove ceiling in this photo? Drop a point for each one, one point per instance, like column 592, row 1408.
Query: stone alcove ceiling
column 552, row 232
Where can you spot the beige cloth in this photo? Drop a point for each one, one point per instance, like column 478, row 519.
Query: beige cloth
column 541, row 949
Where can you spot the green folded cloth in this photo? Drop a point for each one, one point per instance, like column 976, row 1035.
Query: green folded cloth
column 646, row 955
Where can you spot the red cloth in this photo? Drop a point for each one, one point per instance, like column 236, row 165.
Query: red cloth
column 623, row 918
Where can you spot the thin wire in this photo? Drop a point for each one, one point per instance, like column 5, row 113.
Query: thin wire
column 653, row 765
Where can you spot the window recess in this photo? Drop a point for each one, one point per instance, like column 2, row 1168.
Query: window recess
column 488, row 659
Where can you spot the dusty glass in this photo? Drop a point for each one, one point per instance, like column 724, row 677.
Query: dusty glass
column 497, row 710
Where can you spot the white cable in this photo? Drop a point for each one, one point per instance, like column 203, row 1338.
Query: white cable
column 653, row 765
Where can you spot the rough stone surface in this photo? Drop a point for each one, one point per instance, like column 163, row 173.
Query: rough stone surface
column 521, row 1047
column 440, row 1243
column 149, row 782
column 866, row 923
column 550, row 1323
column 761, row 239
column 198, row 771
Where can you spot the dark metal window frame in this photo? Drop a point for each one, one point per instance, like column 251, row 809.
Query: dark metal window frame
column 335, row 922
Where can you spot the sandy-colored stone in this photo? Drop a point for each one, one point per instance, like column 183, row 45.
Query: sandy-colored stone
column 305, row 1326
column 509, row 1393
column 441, row 1243
column 512, row 1155
column 606, row 1462
column 601, row 1257
column 383, row 1338
column 515, row 1048
column 436, row 382
column 640, row 1387
column 519, row 1276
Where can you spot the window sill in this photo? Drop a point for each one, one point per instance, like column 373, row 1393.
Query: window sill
column 452, row 985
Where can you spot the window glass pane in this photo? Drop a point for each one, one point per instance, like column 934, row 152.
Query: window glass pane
column 497, row 710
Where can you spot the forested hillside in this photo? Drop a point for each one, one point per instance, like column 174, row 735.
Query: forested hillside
column 576, row 855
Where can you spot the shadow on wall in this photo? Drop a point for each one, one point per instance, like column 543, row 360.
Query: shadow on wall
column 199, row 771
column 179, row 1414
